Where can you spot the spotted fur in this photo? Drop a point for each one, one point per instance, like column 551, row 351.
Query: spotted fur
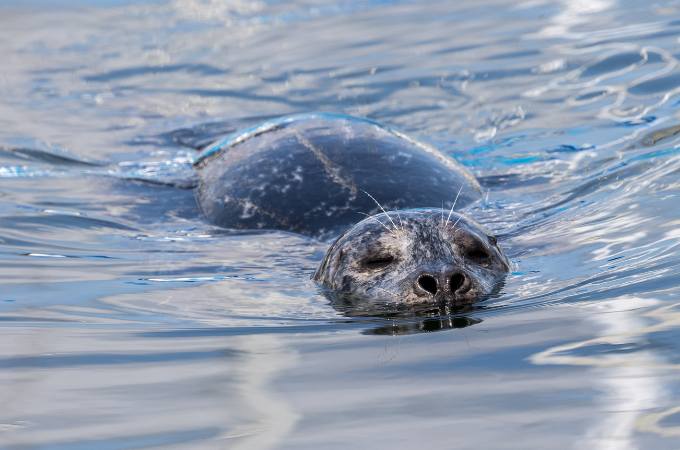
column 373, row 262
column 315, row 173
column 309, row 174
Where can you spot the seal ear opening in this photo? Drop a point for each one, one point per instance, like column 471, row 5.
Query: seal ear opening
column 319, row 270
column 323, row 267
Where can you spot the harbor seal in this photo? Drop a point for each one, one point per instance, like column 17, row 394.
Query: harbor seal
column 414, row 257
column 314, row 174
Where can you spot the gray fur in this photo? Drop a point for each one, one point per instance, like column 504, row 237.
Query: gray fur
column 315, row 174
column 421, row 244
column 308, row 174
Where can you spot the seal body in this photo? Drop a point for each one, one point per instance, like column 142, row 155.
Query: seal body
column 316, row 174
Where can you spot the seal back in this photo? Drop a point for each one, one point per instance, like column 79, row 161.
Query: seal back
column 312, row 173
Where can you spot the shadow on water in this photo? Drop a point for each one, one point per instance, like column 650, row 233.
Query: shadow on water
column 385, row 325
column 428, row 325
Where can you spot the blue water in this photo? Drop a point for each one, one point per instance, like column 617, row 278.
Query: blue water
column 129, row 322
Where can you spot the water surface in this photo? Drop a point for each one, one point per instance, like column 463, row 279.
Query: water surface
column 129, row 322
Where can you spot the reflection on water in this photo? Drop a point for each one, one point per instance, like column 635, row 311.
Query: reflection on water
column 627, row 366
column 634, row 359
column 428, row 325
column 127, row 321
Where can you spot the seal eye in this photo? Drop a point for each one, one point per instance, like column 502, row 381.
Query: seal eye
column 478, row 255
column 377, row 262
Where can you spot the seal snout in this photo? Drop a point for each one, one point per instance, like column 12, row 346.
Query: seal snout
column 459, row 283
column 428, row 283
column 448, row 282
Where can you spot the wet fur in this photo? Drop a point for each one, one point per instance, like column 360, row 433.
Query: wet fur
column 421, row 244
column 308, row 173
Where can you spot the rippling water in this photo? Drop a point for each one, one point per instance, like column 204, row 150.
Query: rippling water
column 128, row 322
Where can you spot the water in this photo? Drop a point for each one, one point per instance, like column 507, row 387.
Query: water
column 128, row 322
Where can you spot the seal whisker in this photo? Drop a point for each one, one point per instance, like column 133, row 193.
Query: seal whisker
column 400, row 221
column 383, row 209
column 453, row 206
column 374, row 218
column 456, row 223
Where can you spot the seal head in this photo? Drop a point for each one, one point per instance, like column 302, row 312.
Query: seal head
column 414, row 257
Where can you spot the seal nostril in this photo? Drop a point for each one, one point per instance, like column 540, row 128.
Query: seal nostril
column 456, row 281
column 428, row 283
